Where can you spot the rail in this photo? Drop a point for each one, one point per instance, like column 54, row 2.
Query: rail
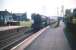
column 10, row 35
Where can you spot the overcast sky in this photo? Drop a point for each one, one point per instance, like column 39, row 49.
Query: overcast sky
column 47, row 7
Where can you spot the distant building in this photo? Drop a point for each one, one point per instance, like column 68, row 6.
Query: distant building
column 68, row 12
column 19, row 16
column 5, row 16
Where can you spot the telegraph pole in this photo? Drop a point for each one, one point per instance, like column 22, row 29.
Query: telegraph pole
column 62, row 10
column 57, row 11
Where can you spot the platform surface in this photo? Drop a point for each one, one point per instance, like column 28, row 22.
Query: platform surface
column 3, row 28
column 51, row 39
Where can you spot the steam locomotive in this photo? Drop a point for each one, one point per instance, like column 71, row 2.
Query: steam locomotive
column 39, row 21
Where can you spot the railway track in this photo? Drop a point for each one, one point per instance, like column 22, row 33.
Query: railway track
column 11, row 37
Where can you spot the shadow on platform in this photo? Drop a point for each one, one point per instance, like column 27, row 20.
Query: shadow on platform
column 71, row 36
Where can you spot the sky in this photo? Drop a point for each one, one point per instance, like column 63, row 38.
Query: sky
column 44, row 7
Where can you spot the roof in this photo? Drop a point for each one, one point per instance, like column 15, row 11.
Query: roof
column 20, row 14
column 4, row 13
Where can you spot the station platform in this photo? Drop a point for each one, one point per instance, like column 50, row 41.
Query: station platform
column 50, row 39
